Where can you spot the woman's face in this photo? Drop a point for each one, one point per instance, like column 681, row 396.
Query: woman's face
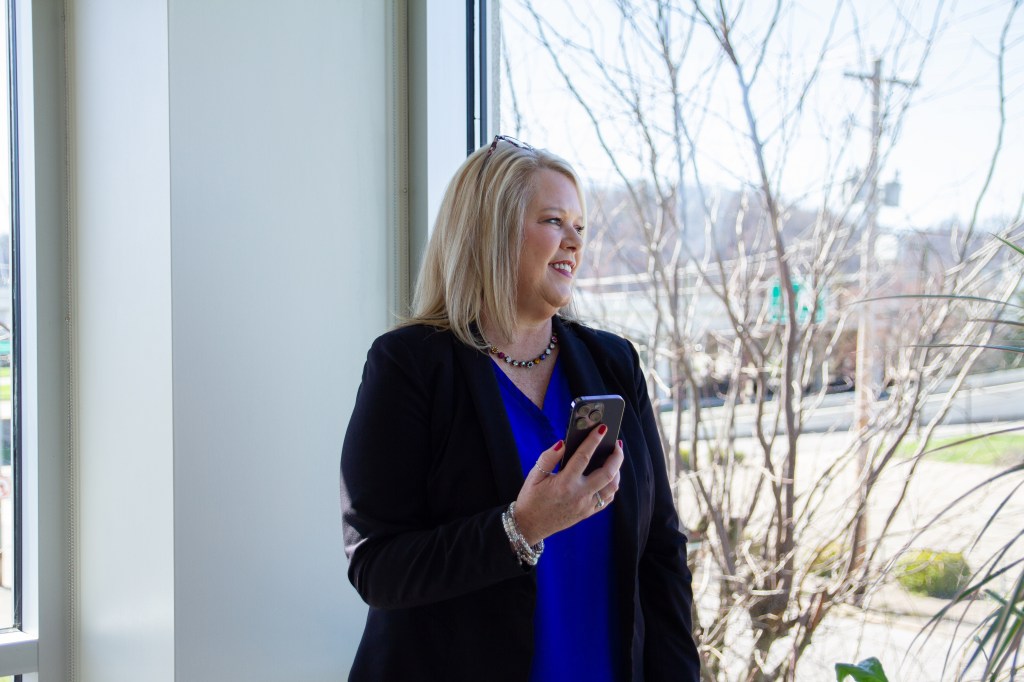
column 552, row 247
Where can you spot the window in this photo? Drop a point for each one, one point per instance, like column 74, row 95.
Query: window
column 33, row 350
column 8, row 368
column 744, row 164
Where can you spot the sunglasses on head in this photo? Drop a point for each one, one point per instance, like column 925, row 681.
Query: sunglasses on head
column 506, row 138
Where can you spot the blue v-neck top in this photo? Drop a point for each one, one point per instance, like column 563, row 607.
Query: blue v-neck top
column 574, row 619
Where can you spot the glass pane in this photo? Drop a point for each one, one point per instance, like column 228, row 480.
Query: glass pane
column 793, row 214
column 7, row 440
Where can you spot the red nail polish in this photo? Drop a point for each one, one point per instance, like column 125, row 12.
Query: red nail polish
column 558, row 445
column 620, row 444
column 602, row 429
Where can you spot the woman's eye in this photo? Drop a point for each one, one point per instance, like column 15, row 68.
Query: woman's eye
column 579, row 229
column 555, row 221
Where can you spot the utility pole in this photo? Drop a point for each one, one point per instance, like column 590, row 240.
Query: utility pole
column 866, row 384
column 866, row 391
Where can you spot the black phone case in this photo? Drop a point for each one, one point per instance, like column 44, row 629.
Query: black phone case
column 585, row 415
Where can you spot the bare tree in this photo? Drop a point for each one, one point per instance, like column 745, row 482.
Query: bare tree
column 687, row 270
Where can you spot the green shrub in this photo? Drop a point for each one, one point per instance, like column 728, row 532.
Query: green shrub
column 684, row 462
column 829, row 559
column 685, row 458
column 936, row 574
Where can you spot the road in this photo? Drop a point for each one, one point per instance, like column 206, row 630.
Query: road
column 994, row 397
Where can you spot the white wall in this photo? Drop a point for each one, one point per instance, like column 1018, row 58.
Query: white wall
column 230, row 174
column 278, row 176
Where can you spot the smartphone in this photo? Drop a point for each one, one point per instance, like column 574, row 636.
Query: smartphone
column 586, row 413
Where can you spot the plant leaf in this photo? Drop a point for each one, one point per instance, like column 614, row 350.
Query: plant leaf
column 1007, row 631
column 868, row 670
column 1011, row 349
column 1010, row 244
column 993, row 320
column 945, row 297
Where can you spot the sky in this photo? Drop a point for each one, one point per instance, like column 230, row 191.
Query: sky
column 941, row 147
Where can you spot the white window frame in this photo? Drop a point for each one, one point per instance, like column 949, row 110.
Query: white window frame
column 39, row 650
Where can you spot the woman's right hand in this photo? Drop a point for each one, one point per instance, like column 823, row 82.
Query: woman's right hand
column 550, row 502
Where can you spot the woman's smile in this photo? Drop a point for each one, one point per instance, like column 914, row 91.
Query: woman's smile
column 564, row 267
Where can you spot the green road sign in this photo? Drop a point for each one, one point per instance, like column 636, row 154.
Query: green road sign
column 804, row 302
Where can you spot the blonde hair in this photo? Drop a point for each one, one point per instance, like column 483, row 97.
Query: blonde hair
column 471, row 263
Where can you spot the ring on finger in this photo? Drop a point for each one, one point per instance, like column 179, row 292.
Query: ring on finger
column 538, row 467
column 600, row 500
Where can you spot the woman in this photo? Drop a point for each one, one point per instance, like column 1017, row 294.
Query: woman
column 479, row 557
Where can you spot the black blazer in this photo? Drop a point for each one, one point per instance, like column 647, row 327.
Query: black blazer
column 428, row 466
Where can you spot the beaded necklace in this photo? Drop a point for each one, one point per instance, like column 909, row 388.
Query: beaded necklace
column 527, row 363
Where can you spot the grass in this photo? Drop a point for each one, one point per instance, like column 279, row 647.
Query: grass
column 997, row 450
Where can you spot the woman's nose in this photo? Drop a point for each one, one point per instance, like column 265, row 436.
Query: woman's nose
column 572, row 239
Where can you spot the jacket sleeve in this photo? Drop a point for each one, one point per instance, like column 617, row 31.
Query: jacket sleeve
column 398, row 556
column 666, row 595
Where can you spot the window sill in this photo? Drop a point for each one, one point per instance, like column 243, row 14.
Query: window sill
column 19, row 653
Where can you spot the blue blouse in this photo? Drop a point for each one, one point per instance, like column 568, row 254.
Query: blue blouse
column 573, row 621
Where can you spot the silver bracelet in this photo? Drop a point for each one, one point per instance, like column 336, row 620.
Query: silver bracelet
column 527, row 555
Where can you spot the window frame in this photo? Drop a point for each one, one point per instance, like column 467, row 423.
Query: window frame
column 18, row 648
column 38, row 646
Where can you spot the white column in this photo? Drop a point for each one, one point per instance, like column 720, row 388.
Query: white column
column 230, row 205
column 120, row 198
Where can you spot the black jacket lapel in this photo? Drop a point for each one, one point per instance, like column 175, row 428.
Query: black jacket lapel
column 580, row 367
